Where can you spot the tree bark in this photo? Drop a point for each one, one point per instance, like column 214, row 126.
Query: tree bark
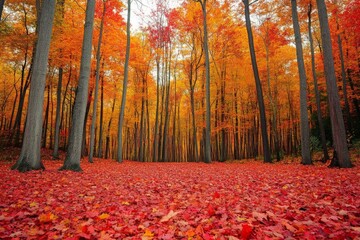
column 316, row 88
column 124, row 90
column 30, row 157
column 100, row 144
column 207, row 153
column 337, row 121
column 304, row 119
column 259, row 92
column 72, row 160
column 97, row 77
column 55, row 154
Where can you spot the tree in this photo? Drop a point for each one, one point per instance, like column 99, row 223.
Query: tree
column 260, row 98
column 58, row 93
column 207, row 86
column 125, row 82
column 97, row 77
column 341, row 155
column 30, row 158
column 316, row 89
column 304, row 119
column 72, row 160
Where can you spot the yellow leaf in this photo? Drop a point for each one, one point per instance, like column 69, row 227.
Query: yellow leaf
column 241, row 219
column 125, row 203
column 34, row 204
column 104, row 216
column 47, row 217
column 148, row 235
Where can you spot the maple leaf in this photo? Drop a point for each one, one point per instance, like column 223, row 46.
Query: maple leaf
column 259, row 216
column 216, row 195
column 246, row 231
column 210, row 210
column 169, row 215
column 148, row 235
column 104, row 216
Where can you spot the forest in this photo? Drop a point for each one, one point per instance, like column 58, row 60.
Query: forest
column 175, row 98
column 252, row 108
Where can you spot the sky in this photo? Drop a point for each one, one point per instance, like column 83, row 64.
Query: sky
column 141, row 10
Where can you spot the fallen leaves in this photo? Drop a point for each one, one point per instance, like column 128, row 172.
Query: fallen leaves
column 169, row 216
column 180, row 201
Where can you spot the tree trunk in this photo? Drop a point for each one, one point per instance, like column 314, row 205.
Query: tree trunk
column 30, row 157
column 316, row 88
column 337, row 122
column 207, row 153
column 344, row 82
column 57, row 118
column 107, row 143
column 84, row 150
column 98, row 59
column 100, row 144
column 264, row 134
column 72, row 160
column 156, row 128
column 124, row 90
column 304, row 119
column 46, row 119
column 55, row 155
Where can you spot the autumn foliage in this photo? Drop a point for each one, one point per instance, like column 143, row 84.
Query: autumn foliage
column 180, row 201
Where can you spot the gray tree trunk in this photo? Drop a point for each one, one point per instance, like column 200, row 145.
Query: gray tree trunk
column 156, row 128
column 98, row 59
column 259, row 93
column 57, row 118
column 30, row 157
column 207, row 153
column 344, row 81
column 304, row 119
column 60, row 7
column 316, row 88
column 72, row 160
column 124, row 90
column 341, row 156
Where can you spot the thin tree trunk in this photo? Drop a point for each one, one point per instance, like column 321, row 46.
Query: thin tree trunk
column 84, row 150
column 124, row 90
column 344, row 81
column 46, row 119
column 100, row 144
column 304, row 119
column 316, row 88
column 98, row 59
column 156, row 128
column 264, row 134
column 207, row 153
column 55, row 154
column 107, row 143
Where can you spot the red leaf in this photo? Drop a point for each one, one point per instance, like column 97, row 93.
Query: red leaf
column 216, row 195
column 210, row 210
column 246, row 231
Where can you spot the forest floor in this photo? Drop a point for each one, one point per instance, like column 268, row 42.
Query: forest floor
column 238, row 200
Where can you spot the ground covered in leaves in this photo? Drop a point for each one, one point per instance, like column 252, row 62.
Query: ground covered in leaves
column 133, row 200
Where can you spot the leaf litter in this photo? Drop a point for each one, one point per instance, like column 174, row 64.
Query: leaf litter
column 180, row 201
